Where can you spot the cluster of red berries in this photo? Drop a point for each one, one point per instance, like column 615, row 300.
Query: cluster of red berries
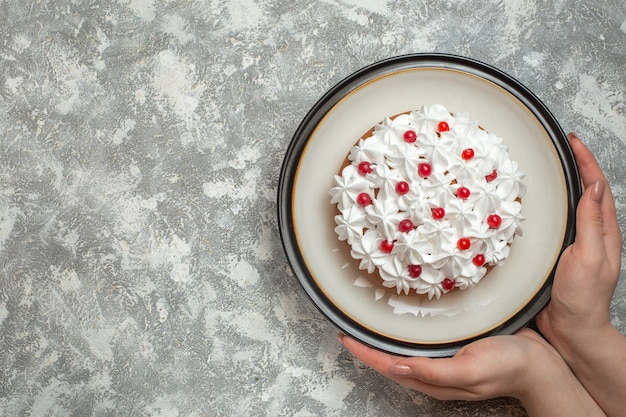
column 402, row 187
column 424, row 169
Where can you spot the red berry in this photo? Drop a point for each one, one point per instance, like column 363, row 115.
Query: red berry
column 463, row 193
column 467, row 154
column 386, row 246
column 415, row 271
column 365, row 168
column 443, row 127
column 438, row 213
column 479, row 260
column 492, row 176
column 405, row 226
column 494, row 221
column 364, row 199
column 447, row 284
column 424, row 169
column 402, row 187
column 410, row 136
column 463, row 243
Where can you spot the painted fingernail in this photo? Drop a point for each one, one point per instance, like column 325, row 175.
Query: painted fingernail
column 597, row 191
column 400, row 370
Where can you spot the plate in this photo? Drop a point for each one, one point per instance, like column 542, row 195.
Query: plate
column 512, row 294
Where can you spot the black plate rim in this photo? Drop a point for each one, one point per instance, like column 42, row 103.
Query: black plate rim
column 327, row 102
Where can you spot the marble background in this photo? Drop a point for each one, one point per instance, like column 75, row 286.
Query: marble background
column 141, row 270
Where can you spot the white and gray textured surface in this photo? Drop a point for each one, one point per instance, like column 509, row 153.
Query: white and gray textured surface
column 141, row 272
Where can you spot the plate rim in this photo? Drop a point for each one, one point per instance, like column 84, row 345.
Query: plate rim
column 316, row 114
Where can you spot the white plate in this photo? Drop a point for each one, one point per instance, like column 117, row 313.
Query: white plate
column 510, row 295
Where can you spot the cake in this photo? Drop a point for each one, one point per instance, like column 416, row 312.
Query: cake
column 428, row 202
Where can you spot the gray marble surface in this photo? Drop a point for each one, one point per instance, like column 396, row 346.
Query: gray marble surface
column 141, row 271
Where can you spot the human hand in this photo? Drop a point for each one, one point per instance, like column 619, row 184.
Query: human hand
column 577, row 319
column 487, row 368
column 523, row 366
column 588, row 270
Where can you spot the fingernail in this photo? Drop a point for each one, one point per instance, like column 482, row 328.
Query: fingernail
column 400, row 370
column 340, row 337
column 572, row 135
column 597, row 191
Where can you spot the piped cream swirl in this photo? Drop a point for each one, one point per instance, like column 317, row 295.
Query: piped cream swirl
column 495, row 188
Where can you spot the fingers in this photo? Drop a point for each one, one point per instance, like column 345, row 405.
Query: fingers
column 598, row 193
column 446, row 372
column 379, row 361
column 590, row 171
column 464, row 376
column 430, row 371
column 411, row 374
column 487, row 368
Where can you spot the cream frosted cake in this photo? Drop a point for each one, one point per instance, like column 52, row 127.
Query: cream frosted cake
column 428, row 201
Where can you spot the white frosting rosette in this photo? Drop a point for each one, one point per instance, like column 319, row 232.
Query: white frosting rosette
column 430, row 201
